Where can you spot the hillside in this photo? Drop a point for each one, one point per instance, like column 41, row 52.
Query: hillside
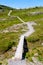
column 11, row 28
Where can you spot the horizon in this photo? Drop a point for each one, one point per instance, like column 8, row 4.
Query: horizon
column 21, row 8
column 22, row 4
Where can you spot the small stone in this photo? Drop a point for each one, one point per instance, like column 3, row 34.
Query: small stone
column 14, row 48
column 36, row 54
column 42, row 43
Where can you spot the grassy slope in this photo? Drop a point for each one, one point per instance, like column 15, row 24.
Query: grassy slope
column 26, row 11
column 30, row 17
column 7, row 40
column 8, row 22
column 34, row 41
column 4, row 12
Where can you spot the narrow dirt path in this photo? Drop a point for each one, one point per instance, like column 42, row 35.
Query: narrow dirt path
column 9, row 12
column 20, row 19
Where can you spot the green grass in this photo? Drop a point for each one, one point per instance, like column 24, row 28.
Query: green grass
column 17, row 12
column 8, row 22
column 35, row 40
column 33, row 51
column 29, row 17
column 35, row 9
column 7, row 40
column 4, row 11
column 4, row 14
column 37, row 35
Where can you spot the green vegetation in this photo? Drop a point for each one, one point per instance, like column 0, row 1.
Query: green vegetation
column 25, row 13
column 29, row 17
column 8, row 22
column 17, row 12
column 37, row 36
column 35, row 52
column 4, row 11
column 36, row 40
column 7, row 40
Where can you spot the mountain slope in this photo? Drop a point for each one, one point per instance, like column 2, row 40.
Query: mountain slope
column 13, row 28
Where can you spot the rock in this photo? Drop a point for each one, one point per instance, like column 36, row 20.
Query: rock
column 4, row 31
column 36, row 54
column 14, row 48
column 42, row 44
